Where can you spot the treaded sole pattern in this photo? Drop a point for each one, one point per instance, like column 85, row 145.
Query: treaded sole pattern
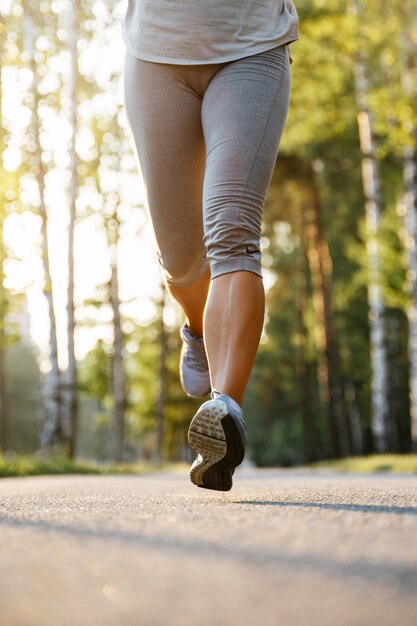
column 214, row 436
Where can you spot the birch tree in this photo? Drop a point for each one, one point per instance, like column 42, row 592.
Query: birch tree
column 53, row 428
column 118, row 375
column 12, row 301
column 3, row 313
column 373, row 211
column 105, row 168
column 409, row 82
column 2, row 296
column 161, row 399
column 109, row 169
column 71, row 395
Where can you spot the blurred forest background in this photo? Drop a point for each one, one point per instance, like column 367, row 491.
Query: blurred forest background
column 89, row 342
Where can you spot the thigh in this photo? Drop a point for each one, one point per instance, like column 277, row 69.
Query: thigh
column 164, row 117
column 244, row 113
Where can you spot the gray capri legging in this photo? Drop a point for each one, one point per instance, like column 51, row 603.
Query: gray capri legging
column 206, row 139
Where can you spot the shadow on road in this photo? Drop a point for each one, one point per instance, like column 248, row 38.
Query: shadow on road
column 253, row 555
column 363, row 508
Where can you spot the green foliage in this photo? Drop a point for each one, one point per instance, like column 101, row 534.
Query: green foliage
column 33, row 466
column 322, row 129
column 94, row 373
column 395, row 463
column 143, row 373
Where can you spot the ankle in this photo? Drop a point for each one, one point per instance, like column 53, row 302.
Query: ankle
column 215, row 394
column 196, row 330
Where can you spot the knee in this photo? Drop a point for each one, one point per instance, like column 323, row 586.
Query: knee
column 232, row 240
column 181, row 272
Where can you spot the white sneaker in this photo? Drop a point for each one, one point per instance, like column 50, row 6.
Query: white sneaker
column 217, row 434
column 194, row 369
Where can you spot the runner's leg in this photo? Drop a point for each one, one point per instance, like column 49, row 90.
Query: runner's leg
column 164, row 115
column 244, row 113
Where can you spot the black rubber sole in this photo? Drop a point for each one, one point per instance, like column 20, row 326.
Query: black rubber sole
column 219, row 476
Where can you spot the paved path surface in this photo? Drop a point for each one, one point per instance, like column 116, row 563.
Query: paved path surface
column 282, row 548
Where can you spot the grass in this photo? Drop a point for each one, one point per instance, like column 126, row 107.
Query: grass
column 33, row 466
column 395, row 463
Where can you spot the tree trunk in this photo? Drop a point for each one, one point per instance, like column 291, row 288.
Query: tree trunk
column 355, row 421
column 393, row 330
column 112, row 226
column 163, row 377
column 410, row 204
column 320, row 265
column 71, row 383
column 118, row 370
column 3, row 313
column 373, row 211
column 118, row 374
column 3, row 433
column 52, row 431
column 309, row 434
column 409, row 53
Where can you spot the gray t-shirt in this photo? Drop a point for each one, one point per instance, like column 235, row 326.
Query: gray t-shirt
column 207, row 31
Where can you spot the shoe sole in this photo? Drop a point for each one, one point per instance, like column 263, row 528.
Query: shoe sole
column 214, row 436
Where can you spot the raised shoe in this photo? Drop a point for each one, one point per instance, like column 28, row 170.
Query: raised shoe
column 217, row 434
column 194, row 369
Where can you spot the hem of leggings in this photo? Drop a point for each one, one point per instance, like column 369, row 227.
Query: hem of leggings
column 188, row 283
column 235, row 265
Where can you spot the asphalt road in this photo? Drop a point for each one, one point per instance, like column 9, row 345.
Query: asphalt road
column 281, row 548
